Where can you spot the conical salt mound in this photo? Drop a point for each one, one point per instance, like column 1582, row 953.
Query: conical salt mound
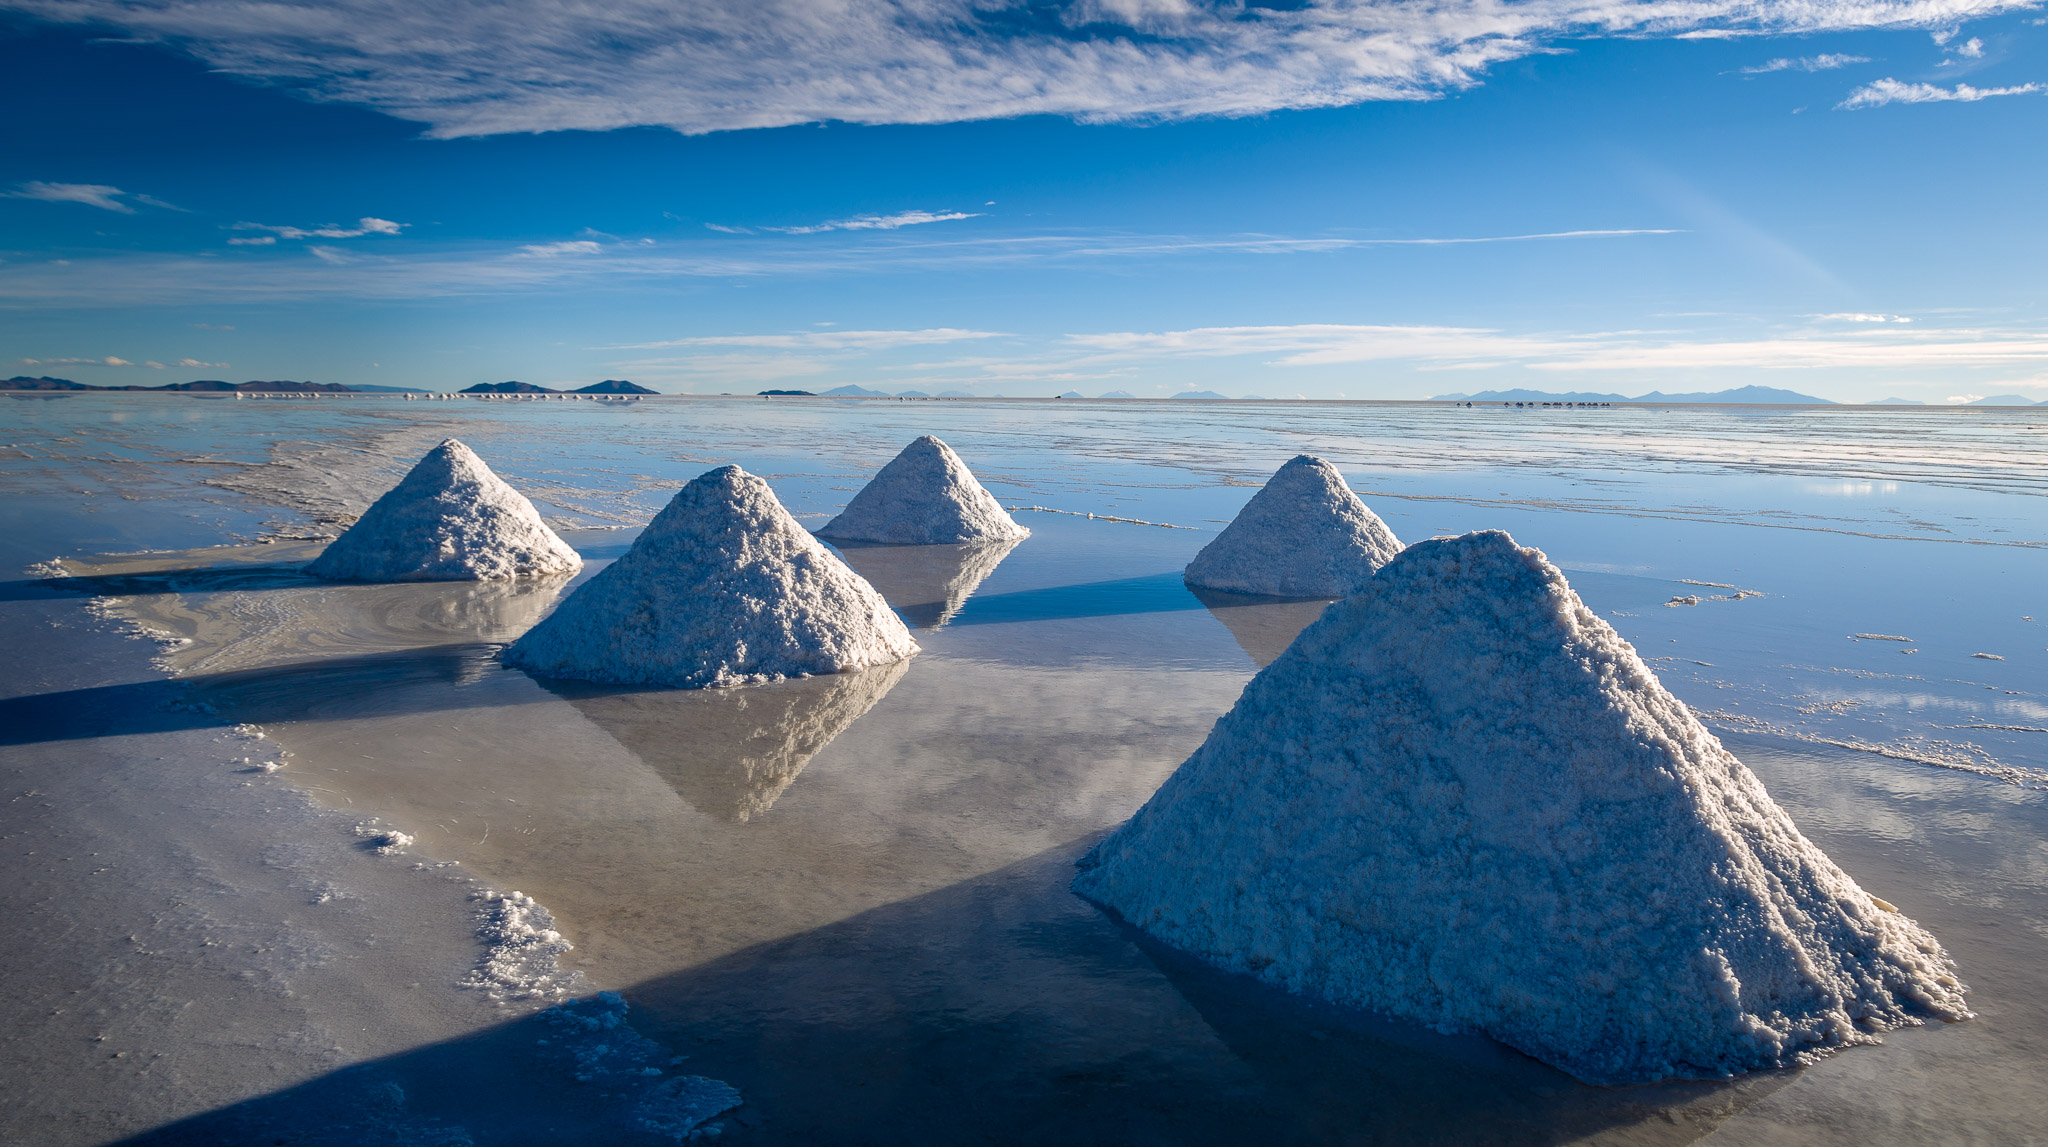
column 723, row 587
column 1461, row 798
column 925, row 496
column 450, row 519
column 1305, row 535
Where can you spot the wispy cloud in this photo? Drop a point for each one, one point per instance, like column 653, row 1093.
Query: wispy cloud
column 332, row 255
column 109, row 360
column 98, row 195
column 715, row 65
column 879, row 222
column 1890, row 91
column 1827, row 61
column 367, row 225
column 1860, row 317
column 565, row 247
column 821, row 340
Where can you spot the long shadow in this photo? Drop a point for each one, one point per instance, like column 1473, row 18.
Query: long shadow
column 334, row 686
column 1154, row 593
column 731, row 752
column 210, row 580
column 999, row 1010
column 1263, row 626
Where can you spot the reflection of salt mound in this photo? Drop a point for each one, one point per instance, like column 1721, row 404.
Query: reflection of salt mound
column 732, row 752
column 1263, row 626
column 723, row 587
column 925, row 496
column 450, row 519
column 1305, row 535
column 1461, row 798
column 926, row 584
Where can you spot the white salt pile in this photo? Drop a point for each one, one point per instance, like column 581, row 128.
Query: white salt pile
column 723, row 587
column 1463, row 799
column 925, row 496
column 1304, row 535
column 450, row 519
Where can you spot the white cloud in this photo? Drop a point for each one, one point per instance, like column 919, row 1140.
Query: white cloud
column 110, row 360
column 334, row 255
column 193, row 362
column 1826, row 61
column 1972, row 48
column 565, row 247
column 822, row 340
column 712, row 65
column 1960, row 399
column 367, row 225
column 1890, row 91
column 1860, row 317
column 91, row 194
column 253, row 241
column 873, row 222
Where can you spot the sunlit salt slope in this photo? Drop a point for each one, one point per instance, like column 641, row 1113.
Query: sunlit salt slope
column 722, row 588
column 449, row 519
column 925, row 496
column 1306, row 534
column 1463, row 799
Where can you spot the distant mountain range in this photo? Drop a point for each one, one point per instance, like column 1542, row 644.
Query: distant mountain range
column 608, row 386
column 23, row 382
column 1750, row 395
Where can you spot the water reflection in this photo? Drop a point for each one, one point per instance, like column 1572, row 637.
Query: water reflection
column 926, row 584
column 732, row 752
column 1263, row 626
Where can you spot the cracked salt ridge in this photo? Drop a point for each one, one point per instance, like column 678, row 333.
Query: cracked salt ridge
column 1461, row 798
column 1918, row 750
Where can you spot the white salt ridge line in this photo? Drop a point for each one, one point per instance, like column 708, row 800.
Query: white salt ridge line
column 523, row 953
column 1945, row 754
column 1098, row 517
column 1877, row 637
column 1989, row 656
column 2005, row 728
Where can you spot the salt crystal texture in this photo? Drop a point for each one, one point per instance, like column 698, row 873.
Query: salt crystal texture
column 1304, row 535
column 925, row 496
column 450, row 519
column 722, row 588
column 1461, row 798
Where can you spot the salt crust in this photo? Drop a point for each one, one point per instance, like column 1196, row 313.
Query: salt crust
column 925, row 496
column 1304, row 535
column 722, row 588
column 1461, row 798
column 450, row 519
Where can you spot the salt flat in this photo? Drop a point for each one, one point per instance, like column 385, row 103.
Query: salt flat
column 846, row 897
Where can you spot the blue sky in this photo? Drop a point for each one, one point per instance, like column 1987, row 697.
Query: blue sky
column 1333, row 199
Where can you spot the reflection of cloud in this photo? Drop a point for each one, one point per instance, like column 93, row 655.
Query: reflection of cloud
column 926, row 584
column 718, row 65
column 732, row 752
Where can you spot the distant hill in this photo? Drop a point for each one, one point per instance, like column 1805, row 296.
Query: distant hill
column 804, row 393
column 1757, row 395
column 614, row 386
column 202, row 385
column 1203, row 395
column 1071, row 394
column 2003, row 400
column 912, row 394
column 507, row 388
column 1119, row 394
column 1895, row 402
column 852, row 391
column 954, row 394
column 391, row 389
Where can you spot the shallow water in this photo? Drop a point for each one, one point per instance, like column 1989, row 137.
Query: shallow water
column 846, row 897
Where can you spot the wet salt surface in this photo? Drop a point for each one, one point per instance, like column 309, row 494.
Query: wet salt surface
column 846, row 898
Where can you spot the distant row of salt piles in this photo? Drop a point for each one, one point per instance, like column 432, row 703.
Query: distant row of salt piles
column 1459, row 797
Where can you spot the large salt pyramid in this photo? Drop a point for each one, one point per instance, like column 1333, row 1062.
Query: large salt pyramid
column 1305, row 535
column 1463, row 799
column 723, row 587
column 449, row 519
column 925, row 496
